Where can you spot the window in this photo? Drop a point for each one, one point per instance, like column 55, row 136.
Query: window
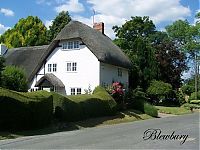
column 119, row 72
column 74, row 66
column 76, row 44
column 49, row 67
column 78, row 91
column 52, row 67
column 71, row 45
column 71, row 66
column 73, row 91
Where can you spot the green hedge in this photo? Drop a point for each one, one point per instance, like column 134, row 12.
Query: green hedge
column 194, row 101
column 24, row 110
column 150, row 110
column 78, row 107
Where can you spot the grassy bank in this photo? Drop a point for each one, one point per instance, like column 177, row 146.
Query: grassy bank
column 173, row 110
column 120, row 117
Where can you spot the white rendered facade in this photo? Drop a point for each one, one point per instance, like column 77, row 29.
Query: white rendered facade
column 79, row 69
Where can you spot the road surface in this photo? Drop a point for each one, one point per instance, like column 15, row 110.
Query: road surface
column 182, row 131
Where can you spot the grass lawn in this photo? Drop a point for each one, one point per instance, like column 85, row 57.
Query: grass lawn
column 121, row 117
column 173, row 110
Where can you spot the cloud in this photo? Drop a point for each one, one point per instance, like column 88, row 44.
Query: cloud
column 116, row 12
column 48, row 23
column 3, row 29
column 6, row 12
column 71, row 6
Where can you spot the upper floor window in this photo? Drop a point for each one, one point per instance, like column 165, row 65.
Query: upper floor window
column 71, row 45
column 52, row 67
column 71, row 66
column 75, row 91
column 119, row 72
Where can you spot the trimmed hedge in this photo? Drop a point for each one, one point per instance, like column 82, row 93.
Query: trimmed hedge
column 24, row 110
column 150, row 110
column 195, row 102
column 79, row 107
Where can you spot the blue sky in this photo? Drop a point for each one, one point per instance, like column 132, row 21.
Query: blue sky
column 111, row 12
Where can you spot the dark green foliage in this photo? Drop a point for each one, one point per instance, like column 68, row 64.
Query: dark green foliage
column 188, row 89
column 133, row 38
column 159, row 89
column 58, row 24
column 79, row 107
column 193, row 95
column 14, row 78
column 19, row 111
column 180, row 97
column 2, row 60
column 28, row 31
column 150, row 110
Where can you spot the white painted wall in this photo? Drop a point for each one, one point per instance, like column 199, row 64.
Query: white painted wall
column 109, row 74
column 3, row 49
column 87, row 73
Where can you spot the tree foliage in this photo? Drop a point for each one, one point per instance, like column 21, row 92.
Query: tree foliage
column 28, row 31
column 58, row 24
column 14, row 79
column 133, row 38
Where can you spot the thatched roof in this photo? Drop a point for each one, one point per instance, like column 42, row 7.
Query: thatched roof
column 25, row 57
column 52, row 79
column 31, row 58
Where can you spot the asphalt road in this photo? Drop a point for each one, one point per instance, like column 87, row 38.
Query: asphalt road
column 121, row 136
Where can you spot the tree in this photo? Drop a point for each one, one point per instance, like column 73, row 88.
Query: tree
column 133, row 38
column 27, row 32
column 14, row 79
column 2, row 60
column 171, row 61
column 58, row 24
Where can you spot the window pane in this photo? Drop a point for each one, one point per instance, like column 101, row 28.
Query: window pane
column 72, row 91
column 49, row 67
column 68, row 66
column 70, row 45
column 74, row 66
column 64, row 45
column 54, row 67
column 78, row 91
column 76, row 44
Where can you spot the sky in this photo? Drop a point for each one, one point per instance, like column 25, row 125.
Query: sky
column 111, row 12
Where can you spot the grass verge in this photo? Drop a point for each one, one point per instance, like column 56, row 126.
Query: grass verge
column 121, row 117
column 173, row 110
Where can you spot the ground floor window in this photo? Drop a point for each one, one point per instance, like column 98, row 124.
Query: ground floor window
column 75, row 91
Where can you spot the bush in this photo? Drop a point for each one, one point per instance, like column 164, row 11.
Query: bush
column 135, row 99
column 19, row 111
column 14, row 78
column 150, row 110
column 187, row 89
column 159, row 90
column 78, row 107
column 193, row 96
column 189, row 106
column 195, row 102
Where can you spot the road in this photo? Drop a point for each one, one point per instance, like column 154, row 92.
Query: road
column 120, row 136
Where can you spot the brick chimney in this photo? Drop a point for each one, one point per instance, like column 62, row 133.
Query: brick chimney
column 99, row 26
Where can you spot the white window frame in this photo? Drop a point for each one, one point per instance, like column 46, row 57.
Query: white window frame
column 71, row 45
column 119, row 72
column 75, row 91
column 52, row 67
column 71, row 66
column 49, row 67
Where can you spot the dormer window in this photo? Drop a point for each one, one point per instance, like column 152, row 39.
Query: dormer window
column 70, row 45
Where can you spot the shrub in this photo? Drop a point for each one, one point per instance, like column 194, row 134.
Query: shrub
column 189, row 106
column 150, row 110
column 195, row 102
column 187, row 89
column 20, row 111
column 193, row 96
column 14, row 78
column 159, row 89
column 78, row 107
column 135, row 99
